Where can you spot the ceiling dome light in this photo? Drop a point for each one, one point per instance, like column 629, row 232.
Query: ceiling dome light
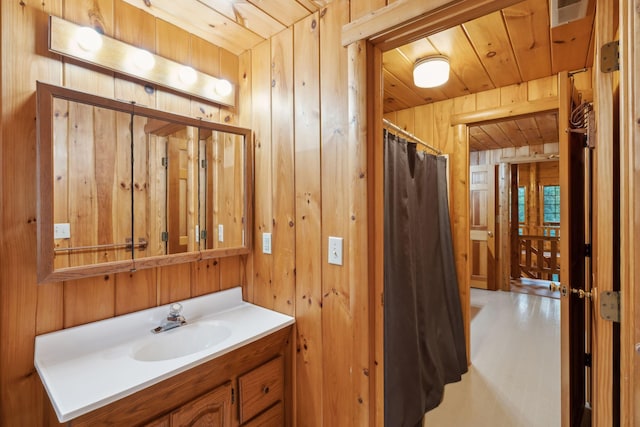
column 431, row 71
column 223, row 87
column 188, row 75
column 143, row 60
column 88, row 39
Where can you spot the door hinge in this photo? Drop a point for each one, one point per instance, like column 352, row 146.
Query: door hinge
column 204, row 164
column 587, row 360
column 610, row 57
column 587, row 250
column 203, row 235
column 610, row 305
column 164, row 236
column 233, row 395
column 165, row 162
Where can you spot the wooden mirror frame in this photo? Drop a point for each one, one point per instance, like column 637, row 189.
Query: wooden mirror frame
column 47, row 272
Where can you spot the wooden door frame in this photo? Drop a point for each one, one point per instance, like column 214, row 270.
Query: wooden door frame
column 405, row 21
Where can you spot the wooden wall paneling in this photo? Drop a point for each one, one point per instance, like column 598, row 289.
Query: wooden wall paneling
column 546, row 87
column 26, row 308
column 488, row 99
column 405, row 119
column 308, row 208
column 443, row 133
column 630, row 208
column 135, row 291
column 345, row 386
column 359, row 8
column 283, row 173
column 174, row 283
column 570, row 43
column 514, row 94
column 423, row 123
column 263, row 216
column 88, row 300
column 603, row 226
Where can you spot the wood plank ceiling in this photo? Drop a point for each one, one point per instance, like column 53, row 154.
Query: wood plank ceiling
column 511, row 46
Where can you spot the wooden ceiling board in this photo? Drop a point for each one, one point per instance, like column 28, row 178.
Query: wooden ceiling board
column 530, row 130
column 548, row 126
column 512, row 132
column 570, row 45
column 528, row 27
column 490, row 40
column 463, row 59
column 200, row 20
column 287, row 12
column 396, row 95
column 256, row 20
column 499, row 137
column 479, row 140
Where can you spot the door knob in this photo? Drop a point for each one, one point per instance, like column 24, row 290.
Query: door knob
column 581, row 293
column 557, row 287
column 490, row 233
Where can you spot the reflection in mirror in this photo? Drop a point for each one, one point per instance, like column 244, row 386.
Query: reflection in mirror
column 171, row 222
column 92, row 184
column 222, row 193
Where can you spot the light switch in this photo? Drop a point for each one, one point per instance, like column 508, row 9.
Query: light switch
column 220, row 233
column 266, row 243
column 335, row 250
column 62, row 230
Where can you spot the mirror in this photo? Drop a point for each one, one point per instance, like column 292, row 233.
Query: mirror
column 123, row 187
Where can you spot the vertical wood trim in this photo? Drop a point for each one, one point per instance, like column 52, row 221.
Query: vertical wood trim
column 376, row 214
column 603, row 220
column 308, row 306
column 504, row 231
column 492, row 259
column 565, row 184
column 358, row 231
column 630, row 210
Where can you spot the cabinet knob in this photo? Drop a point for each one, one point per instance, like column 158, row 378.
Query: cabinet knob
column 265, row 389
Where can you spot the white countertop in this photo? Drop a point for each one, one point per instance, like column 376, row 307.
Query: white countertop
column 89, row 366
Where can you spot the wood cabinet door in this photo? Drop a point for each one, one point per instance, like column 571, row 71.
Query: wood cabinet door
column 482, row 227
column 211, row 410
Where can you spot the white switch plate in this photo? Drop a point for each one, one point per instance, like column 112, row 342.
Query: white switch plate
column 62, row 230
column 335, row 250
column 266, row 243
column 220, row 233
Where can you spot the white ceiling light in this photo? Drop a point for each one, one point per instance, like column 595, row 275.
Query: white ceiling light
column 88, row 39
column 431, row 71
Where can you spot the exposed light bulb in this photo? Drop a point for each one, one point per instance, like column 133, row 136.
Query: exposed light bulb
column 223, row 87
column 188, row 75
column 143, row 60
column 88, row 39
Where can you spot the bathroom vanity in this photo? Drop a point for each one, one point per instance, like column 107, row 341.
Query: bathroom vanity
column 225, row 367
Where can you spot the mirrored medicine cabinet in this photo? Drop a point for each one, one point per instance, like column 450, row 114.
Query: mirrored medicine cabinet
column 123, row 187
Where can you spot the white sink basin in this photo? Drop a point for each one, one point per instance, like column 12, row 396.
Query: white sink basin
column 182, row 341
column 89, row 366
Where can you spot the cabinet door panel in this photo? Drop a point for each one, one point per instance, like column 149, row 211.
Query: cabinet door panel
column 261, row 388
column 211, row 410
column 273, row 417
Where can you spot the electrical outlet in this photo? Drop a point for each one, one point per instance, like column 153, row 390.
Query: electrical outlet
column 62, row 231
column 266, row 243
column 335, row 250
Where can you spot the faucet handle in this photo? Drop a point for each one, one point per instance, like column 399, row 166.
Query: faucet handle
column 175, row 309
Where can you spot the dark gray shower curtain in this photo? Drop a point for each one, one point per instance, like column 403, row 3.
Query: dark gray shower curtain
column 424, row 344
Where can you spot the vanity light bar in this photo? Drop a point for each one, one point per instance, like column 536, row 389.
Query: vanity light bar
column 86, row 45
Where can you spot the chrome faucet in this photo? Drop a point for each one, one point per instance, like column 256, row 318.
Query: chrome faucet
column 173, row 320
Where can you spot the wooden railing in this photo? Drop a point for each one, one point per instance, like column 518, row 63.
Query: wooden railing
column 539, row 257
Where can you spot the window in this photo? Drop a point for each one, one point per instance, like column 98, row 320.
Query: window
column 551, row 206
column 522, row 191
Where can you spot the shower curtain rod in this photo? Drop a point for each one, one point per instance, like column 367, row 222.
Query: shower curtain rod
column 410, row 135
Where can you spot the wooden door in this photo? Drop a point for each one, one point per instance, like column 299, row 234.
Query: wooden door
column 482, row 226
column 572, row 253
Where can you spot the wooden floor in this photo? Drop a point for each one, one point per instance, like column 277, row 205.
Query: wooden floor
column 514, row 379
